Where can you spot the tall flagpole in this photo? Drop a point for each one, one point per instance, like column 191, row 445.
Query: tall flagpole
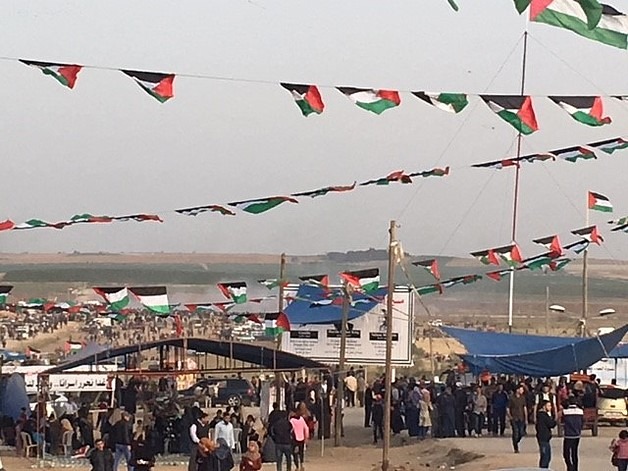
column 511, row 287
column 585, row 280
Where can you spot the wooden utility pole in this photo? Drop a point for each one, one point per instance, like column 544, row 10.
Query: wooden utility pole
column 392, row 250
column 340, row 390
column 282, row 274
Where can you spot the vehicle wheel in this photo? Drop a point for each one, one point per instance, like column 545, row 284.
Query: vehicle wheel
column 594, row 429
column 234, row 400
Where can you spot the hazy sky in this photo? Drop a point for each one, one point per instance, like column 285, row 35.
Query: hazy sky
column 106, row 147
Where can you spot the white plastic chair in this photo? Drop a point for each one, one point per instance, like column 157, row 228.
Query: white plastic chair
column 66, row 442
column 27, row 444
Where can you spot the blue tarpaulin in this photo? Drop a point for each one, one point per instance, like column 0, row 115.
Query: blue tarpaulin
column 620, row 351
column 309, row 306
column 532, row 355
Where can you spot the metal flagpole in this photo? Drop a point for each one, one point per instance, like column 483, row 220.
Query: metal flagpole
column 511, row 287
column 392, row 247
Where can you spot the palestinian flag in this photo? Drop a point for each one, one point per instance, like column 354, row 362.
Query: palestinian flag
column 398, row 176
column 586, row 18
column 599, row 202
column 620, row 227
column 316, row 280
column 32, row 224
column 589, row 234
column 557, row 265
column 516, row 110
column 620, row 221
column 435, row 172
column 487, row 257
column 498, row 275
column 275, row 323
column 430, row 265
column 429, row 289
column 578, row 247
column 538, row 262
column 307, row 98
column 235, row 290
column 258, row 206
column 72, row 347
column 584, row 109
column 537, row 157
column 376, row 101
column 551, row 243
column 32, row 352
column 4, row 293
column 460, row 280
column 450, row 102
column 158, row 85
column 325, row 190
column 88, row 218
column 212, row 208
column 498, row 164
column 65, row 74
column 271, row 283
column 573, row 154
column 510, row 254
column 117, row 298
column 610, row 145
column 363, row 280
column 154, row 298
column 6, row 225
column 138, row 218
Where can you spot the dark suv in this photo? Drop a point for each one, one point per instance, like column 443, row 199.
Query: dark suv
column 231, row 391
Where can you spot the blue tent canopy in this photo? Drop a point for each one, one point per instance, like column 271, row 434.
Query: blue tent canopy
column 306, row 310
column 620, row 351
column 532, row 355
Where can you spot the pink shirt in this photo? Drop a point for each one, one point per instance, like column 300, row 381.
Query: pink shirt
column 300, row 429
column 622, row 448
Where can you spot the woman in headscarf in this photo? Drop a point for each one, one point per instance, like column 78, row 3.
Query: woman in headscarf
column 251, row 460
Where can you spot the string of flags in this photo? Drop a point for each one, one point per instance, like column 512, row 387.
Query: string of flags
column 517, row 110
column 571, row 154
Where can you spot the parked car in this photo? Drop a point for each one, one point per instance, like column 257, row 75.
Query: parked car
column 230, row 391
column 611, row 406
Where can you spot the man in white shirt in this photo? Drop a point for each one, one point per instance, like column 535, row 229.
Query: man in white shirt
column 224, row 430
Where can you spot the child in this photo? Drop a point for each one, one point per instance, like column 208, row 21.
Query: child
column 251, row 460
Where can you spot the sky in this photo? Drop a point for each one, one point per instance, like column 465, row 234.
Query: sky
column 107, row 147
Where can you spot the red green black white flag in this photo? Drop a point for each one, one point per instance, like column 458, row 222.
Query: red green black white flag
column 487, row 257
column 117, row 297
column 316, row 280
column 307, row 98
column 65, row 74
column 510, row 254
column 609, row 146
column 323, row 191
column 516, row 110
column 430, row 265
column 234, row 290
column 376, row 101
column 498, row 275
column 4, row 293
column 275, row 323
column 590, row 234
column 587, row 110
column 154, row 298
column 551, row 243
column 362, row 280
column 261, row 205
column 573, row 154
column 450, row 102
column 156, row 84
column 599, row 202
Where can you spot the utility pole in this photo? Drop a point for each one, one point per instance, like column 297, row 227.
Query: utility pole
column 340, row 390
column 278, row 379
column 392, row 252
column 585, row 281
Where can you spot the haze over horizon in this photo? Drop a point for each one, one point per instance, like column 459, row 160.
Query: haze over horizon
column 106, row 147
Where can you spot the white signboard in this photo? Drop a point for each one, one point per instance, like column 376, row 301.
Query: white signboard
column 366, row 341
column 94, row 378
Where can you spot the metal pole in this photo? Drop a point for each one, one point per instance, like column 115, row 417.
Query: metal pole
column 585, row 281
column 392, row 247
column 340, row 390
column 547, row 308
column 282, row 274
column 515, row 209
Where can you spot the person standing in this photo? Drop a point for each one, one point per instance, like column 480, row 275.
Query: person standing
column 544, row 425
column 499, row 406
column 351, row 386
column 224, row 430
column 101, row 458
column 251, row 460
column 198, row 430
column 573, row 418
column 281, row 433
column 619, row 448
column 478, row 412
column 368, row 405
column 122, row 435
column 518, row 416
column 378, row 418
column 300, row 433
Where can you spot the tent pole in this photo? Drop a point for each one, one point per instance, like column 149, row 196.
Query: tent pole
column 392, row 247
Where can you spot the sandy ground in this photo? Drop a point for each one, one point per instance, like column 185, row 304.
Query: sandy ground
column 48, row 342
column 482, row 454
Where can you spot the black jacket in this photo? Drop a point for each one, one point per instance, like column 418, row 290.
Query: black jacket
column 101, row 460
column 122, row 432
column 281, row 431
column 544, row 425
